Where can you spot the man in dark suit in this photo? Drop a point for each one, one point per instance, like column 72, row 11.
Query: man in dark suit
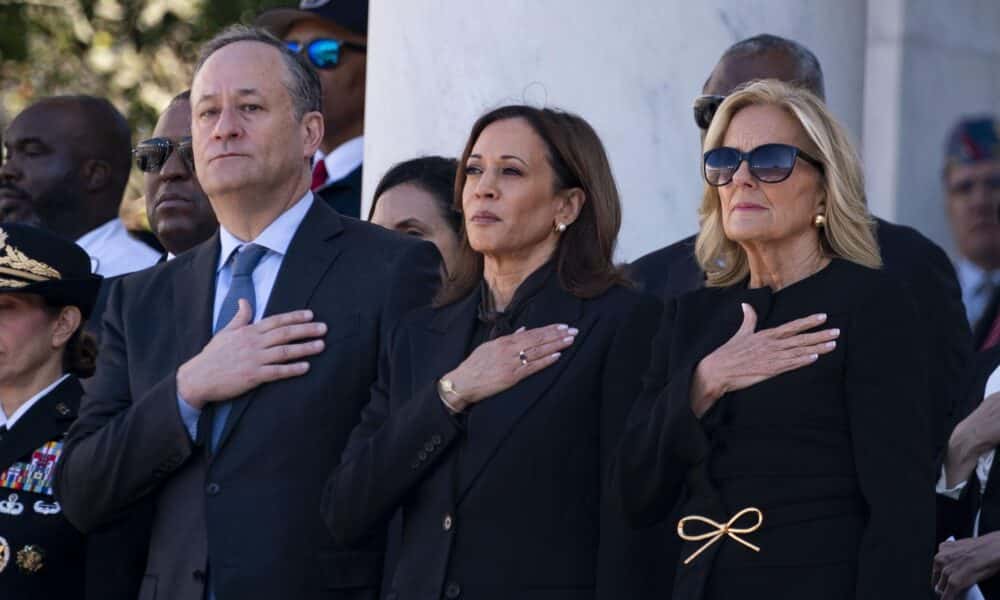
column 922, row 267
column 232, row 435
column 333, row 35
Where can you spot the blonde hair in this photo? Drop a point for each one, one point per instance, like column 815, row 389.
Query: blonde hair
column 849, row 229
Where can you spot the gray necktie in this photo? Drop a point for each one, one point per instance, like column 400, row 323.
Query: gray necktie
column 247, row 258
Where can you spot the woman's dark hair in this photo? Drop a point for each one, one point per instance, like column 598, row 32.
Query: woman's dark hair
column 80, row 353
column 584, row 258
column 433, row 174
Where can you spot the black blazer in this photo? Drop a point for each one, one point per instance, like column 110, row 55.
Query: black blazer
column 509, row 503
column 924, row 271
column 344, row 195
column 251, row 510
column 833, row 454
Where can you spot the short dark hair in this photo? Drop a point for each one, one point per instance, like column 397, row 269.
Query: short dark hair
column 584, row 258
column 809, row 73
column 302, row 83
column 185, row 95
column 433, row 174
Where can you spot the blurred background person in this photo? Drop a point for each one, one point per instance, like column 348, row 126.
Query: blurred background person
column 972, row 186
column 67, row 160
column 178, row 210
column 787, row 397
column 415, row 197
column 332, row 35
column 46, row 294
column 499, row 468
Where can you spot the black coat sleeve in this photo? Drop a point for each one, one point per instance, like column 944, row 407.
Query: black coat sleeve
column 120, row 448
column 663, row 438
column 888, row 403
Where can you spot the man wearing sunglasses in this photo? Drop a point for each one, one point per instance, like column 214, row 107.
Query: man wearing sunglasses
column 178, row 210
column 332, row 35
column 66, row 163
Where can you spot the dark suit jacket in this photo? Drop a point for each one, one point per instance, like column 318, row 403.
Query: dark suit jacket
column 511, row 502
column 251, row 510
column 834, row 454
column 919, row 264
column 344, row 195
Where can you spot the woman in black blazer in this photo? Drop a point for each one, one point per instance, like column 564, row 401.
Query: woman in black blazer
column 783, row 422
column 46, row 293
column 494, row 431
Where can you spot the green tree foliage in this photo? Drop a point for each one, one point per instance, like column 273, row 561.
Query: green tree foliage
column 136, row 53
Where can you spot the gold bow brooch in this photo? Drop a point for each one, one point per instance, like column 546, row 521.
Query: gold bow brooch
column 720, row 530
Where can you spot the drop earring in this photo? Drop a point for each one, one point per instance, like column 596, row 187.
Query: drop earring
column 819, row 221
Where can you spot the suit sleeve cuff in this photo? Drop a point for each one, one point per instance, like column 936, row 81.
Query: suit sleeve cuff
column 942, row 488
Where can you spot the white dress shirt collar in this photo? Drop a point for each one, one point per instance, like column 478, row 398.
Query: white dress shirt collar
column 113, row 251
column 8, row 421
column 344, row 159
column 276, row 237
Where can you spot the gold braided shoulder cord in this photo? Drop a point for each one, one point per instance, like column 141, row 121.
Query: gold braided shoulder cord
column 15, row 262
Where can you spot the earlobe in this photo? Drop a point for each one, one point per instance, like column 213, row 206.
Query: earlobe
column 96, row 175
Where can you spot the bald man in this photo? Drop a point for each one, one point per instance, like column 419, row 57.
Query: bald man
column 66, row 164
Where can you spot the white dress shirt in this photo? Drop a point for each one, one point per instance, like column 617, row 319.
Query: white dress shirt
column 276, row 237
column 114, row 252
column 978, row 287
column 983, row 464
column 8, row 421
column 344, row 159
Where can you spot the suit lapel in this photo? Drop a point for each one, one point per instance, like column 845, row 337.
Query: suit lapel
column 313, row 250
column 47, row 420
column 196, row 279
column 490, row 422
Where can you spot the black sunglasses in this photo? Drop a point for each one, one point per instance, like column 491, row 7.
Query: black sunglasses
column 770, row 163
column 705, row 108
column 323, row 53
column 152, row 154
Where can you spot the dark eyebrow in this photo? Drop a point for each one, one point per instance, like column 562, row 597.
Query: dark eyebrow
column 517, row 158
column 411, row 222
column 241, row 92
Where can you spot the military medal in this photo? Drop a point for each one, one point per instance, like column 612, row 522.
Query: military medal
column 30, row 559
column 11, row 506
column 46, row 508
column 4, row 554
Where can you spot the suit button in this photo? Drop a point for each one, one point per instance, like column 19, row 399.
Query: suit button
column 452, row 591
column 212, row 489
column 199, row 576
column 415, row 465
column 429, row 447
column 422, row 455
column 447, row 522
column 436, row 439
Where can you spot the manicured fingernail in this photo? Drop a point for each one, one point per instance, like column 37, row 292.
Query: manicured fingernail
column 821, row 317
column 569, row 340
column 562, row 327
column 318, row 344
column 834, row 332
column 322, row 327
column 557, row 355
column 831, row 344
column 813, row 356
column 520, row 329
column 573, row 331
column 307, row 314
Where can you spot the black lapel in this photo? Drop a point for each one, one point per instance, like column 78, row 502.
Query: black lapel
column 193, row 297
column 450, row 333
column 312, row 251
column 491, row 421
column 47, row 420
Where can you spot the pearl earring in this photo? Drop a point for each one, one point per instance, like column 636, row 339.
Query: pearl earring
column 819, row 221
column 561, row 227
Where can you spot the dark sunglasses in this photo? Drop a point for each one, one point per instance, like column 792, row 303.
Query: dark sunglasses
column 705, row 108
column 323, row 53
column 770, row 163
column 152, row 154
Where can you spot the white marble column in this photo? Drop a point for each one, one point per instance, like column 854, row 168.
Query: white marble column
column 629, row 67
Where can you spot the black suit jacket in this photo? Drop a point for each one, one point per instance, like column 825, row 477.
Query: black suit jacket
column 918, row 263
column 250, row 510
column 511, row 502
column 833, row 454
column 344, row 195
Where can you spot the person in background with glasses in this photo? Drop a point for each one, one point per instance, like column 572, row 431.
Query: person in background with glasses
column 332, row 35
column 786, row 405
column 180, row 214
column 971, row 181
column 66, row 163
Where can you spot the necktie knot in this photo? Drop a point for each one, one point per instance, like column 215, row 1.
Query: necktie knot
column 247, row 258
